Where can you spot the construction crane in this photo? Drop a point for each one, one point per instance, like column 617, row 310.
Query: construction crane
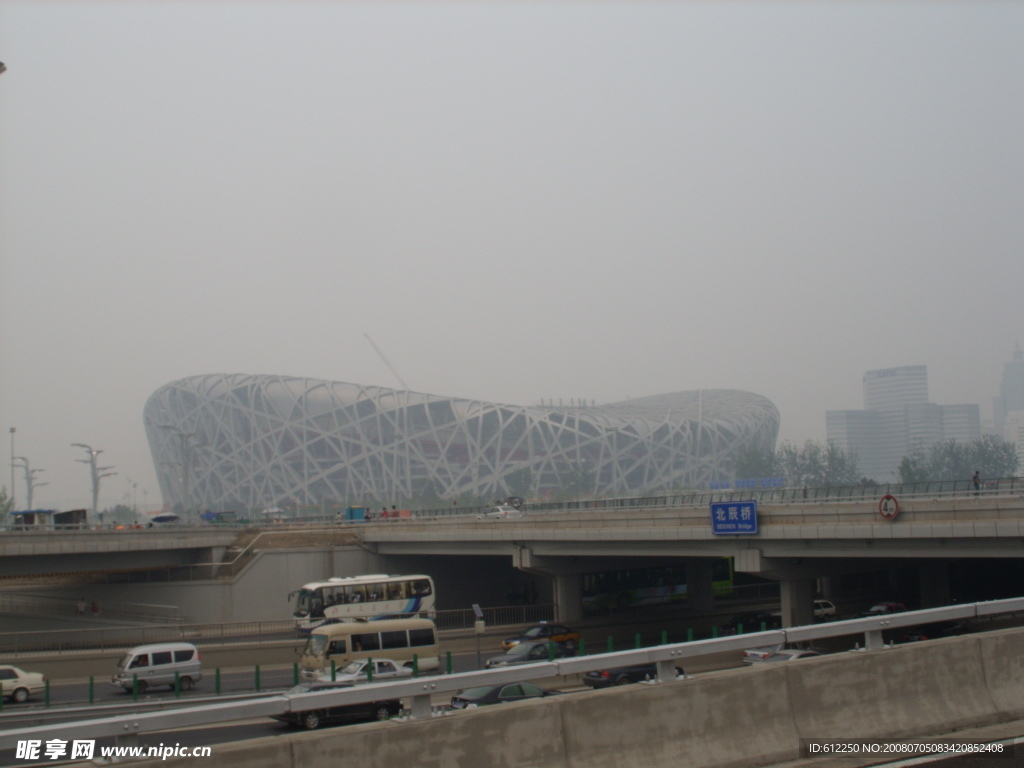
column 389, row 365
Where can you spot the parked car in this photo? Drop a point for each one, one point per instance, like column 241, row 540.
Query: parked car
column 357, row 671
column 605, row 678
column 531, row 652
column 777, row 653
column 501, row 512
column 825, row 610
column 312, row 719
column 557, row 633
column 498, row 694
column 17, row 685
column 753, row 621
column 883, row 609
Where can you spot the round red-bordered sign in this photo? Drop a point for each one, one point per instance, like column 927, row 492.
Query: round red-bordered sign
column 888, row 507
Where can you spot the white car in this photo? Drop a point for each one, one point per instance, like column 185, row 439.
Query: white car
column 824, row 610
column 357, row 672
column 18, row 685
column 501, row 512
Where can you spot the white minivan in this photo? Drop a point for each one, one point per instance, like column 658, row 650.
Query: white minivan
column 157, row 664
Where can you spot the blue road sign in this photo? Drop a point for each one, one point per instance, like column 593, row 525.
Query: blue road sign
column 733, row 517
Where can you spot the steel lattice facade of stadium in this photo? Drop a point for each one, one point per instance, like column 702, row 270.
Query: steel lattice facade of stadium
column 244, row 440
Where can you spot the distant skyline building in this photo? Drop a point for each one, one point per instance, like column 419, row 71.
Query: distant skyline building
column 234, row 441
column 1011, row 390
column 1013, row 431
column 897, row 418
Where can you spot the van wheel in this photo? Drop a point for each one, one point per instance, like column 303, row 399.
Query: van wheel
column 624, row 680
column 185, row 684
column 381, row 712
column 20, row 695
column 311, row 721
column 143, row 685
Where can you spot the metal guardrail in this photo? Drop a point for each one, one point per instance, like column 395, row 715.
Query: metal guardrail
column 419, row 690
column 110, row 638
column 702, row 498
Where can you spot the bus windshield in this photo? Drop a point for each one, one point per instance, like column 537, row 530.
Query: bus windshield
column 315, row 645
column 303, row 603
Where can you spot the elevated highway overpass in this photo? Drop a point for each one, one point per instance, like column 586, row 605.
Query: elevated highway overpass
column 798, row 543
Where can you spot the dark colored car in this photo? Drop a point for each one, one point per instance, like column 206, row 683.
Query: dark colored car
column 883, row 609
column 498, row 694
column 544, row 631
column 312, row 719
column 605, row 678
column 933, row 631
column 530, row 653
column 753, row 621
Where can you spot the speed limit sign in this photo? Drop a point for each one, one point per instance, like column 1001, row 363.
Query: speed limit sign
column 888, row 507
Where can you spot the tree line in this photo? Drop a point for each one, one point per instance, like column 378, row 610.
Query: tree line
column 817, row 464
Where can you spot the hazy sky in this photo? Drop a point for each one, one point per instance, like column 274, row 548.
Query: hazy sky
column 516, row 200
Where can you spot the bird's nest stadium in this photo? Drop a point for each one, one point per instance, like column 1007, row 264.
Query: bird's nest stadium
column 235, row 440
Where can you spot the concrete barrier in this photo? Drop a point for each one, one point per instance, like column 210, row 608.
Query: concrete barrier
column 100, row 664
column 921, row 688
column 733, row 719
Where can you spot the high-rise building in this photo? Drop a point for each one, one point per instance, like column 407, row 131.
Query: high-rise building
column 890, row 389
column 1011, row 390
column 1013, row 431
column 898, row 418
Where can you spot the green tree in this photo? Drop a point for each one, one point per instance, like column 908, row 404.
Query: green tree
column 520, row 483
column 995, row 457
column 756, row 461
column 957, row 460
column 950, row 460
column 6, row 503
column 914, row 467
column 576, row 480
column 817, row 464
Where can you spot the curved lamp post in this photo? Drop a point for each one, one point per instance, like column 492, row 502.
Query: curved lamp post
column 187, row 450
column 30, row 480
column 97, row 473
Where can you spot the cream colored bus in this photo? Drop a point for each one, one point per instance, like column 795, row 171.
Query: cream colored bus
column 397, row 639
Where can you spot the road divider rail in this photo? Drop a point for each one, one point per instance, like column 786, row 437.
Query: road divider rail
column 420, row 690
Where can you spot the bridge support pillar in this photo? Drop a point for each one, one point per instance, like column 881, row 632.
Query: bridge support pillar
column 797, row 601
column 568, row 598
column 699, row 577
column 934, row 584
column 565, row 572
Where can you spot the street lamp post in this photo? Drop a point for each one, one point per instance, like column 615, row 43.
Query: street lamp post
column 187, row 447
column 30, row 480
column 13, row 430
column 97, row 473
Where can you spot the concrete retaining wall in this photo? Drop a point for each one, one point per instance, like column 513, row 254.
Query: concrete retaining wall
column 732, row 719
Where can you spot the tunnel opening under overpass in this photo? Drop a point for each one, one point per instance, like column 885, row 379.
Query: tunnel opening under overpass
column 250, row 593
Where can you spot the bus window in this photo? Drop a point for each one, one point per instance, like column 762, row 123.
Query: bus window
column 368, row 641
column 336, row 646
column 355, row 594
column 421, row 587
column 396, row 590
column 391, row 640
column 421, row 637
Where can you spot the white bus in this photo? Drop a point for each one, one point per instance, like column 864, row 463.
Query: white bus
column 401, row 640
column 355, row 598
